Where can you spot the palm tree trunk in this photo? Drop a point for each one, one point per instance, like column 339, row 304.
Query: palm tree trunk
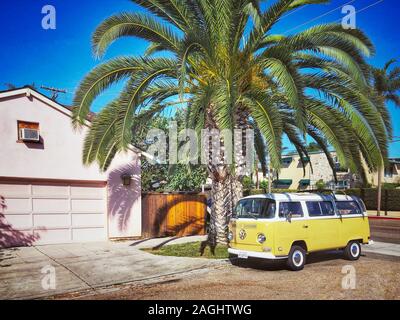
column 228, row 190
column 224, row 195
column 221, row 201
column 226, row 187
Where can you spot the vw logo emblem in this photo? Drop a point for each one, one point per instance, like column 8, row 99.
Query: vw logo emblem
column 242, row 234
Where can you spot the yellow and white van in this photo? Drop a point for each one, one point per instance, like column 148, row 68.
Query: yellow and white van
column 288, row 226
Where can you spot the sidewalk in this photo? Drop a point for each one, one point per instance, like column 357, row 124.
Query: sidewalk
column 390, row 214
column 389, row 249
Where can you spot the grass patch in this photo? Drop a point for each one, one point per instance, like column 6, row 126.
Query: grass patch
column 191, row 249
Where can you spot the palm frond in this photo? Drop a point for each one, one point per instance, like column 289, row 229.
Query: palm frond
column 134, row 25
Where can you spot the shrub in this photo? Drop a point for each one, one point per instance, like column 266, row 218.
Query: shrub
column 262, row 191
column 320, row 184
column 390, row 186
column 247, row 183
column 264, row 184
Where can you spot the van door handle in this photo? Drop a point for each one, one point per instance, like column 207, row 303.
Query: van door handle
column 305, row 226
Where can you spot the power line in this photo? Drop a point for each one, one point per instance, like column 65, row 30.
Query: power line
column 320, row 16
column 329, row 12
column 54, row 91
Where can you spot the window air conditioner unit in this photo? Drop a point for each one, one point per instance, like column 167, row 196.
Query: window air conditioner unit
column 29, row 135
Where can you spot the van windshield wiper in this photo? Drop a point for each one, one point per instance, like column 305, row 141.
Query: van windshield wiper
column 253, row 216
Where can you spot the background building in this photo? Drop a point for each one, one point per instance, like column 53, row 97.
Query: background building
column 294, row 176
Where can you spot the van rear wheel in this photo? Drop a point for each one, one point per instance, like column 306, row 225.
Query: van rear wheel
column 352, row 251
column 297, row 258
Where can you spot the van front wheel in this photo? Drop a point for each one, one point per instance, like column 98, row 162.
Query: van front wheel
column 297, row 258
column 352, row 251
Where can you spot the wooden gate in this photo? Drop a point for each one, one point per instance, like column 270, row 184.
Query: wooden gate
column 173, row 214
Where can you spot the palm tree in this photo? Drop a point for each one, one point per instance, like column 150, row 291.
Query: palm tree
column 386, row 83
column 224, row 60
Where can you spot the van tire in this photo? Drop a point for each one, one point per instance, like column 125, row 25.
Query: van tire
column 352, row 251
column 297, row 258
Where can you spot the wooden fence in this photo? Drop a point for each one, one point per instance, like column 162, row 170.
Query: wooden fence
column 173, row 214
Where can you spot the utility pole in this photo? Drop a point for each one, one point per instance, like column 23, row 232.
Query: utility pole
column 257, row 182
column 269, row 174
column 54, row 91
column 379, row 191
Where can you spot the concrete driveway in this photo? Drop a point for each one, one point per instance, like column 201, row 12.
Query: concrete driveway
column 26, row 272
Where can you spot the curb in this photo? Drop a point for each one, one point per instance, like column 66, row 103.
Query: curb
column 383, row 218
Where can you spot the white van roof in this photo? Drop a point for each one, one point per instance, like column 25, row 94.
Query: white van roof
column 302, row 196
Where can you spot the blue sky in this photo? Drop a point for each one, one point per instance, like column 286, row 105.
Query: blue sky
column 61, row 57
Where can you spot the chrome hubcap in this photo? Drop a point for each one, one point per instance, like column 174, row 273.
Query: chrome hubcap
column 354, row 250
column 297, row 258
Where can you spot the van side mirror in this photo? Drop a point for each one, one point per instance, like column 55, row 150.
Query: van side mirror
column 289, row 217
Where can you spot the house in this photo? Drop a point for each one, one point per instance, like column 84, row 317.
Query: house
column 46, row 194
column 294, row 176
column 392, row 172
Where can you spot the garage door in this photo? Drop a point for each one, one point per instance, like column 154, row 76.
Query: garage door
column 46, row 213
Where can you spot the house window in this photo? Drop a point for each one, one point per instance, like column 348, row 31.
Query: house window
column 287, row 161
column 28, row 131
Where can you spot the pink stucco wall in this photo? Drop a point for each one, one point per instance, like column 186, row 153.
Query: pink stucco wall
column 60, row 157
column 124, row 202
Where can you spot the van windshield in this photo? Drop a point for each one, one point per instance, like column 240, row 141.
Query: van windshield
column 255, row 208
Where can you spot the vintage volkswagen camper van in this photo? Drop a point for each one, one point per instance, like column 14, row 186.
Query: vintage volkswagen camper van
column 288, row 226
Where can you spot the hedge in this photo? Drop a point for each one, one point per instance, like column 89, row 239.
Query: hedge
column 390, row 197
column 262, row 191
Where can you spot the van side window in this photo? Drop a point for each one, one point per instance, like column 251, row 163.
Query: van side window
column 293, row 208
column 320, row 208
column 314, row 210
column 327, row 208
column 348, row 207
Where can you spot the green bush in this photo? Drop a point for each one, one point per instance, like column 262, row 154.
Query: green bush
column 247, row 183
column 353, row 192
column 390, row 198
column 264, row 184
column 390, row 186
column 320, row 184
column 262, row 191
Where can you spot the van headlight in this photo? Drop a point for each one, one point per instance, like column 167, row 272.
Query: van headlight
column 230, row 236
column 261, row 238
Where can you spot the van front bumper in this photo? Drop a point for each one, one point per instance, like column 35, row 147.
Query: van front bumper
column 253, row 254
